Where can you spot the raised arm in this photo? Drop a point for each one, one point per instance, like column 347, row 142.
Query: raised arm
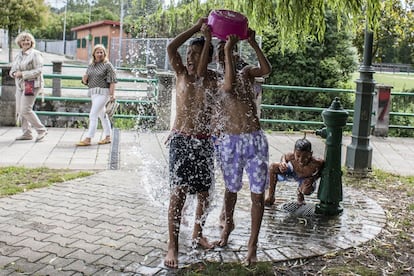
column 205, row 58
column 229, row 63
column 172, row 48
column 264, row 67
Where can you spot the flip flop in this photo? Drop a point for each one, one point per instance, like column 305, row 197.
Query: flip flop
column 83, row 144
column 104, row 141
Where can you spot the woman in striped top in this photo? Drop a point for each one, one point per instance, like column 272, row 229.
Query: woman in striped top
column 100, row 77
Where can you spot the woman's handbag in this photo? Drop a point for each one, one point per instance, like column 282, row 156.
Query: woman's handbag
column 111, row 107
column 29, row 88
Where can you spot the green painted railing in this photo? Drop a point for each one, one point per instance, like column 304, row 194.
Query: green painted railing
column 266, row 87
column 294, row 89
column 154, row 82
column 73, row 77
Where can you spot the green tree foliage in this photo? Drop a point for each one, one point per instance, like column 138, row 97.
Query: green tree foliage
column 295, row 21
column 77, row 13
column 319, row 64
column 52, row 30
column 394, row 36
column 16, row 15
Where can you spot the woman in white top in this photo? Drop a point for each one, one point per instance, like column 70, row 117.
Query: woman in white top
column 27, row 70
column 100, row 78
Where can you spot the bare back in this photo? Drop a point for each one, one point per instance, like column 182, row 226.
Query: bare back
column 240, row 112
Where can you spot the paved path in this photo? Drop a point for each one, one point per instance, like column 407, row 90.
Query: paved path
column 115, row 222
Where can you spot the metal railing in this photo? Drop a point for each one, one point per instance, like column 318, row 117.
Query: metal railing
column 152, row 86
column 267, row 88
column 263, row 106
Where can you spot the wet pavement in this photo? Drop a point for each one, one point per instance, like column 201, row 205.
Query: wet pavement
column 115, row 222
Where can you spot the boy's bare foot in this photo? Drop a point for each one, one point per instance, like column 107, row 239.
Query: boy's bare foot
column 224, row 239
column 269, row 200
column 171, row 259
column 301, row 199
column 300, row 203
column 251, row 258
column 203, row 242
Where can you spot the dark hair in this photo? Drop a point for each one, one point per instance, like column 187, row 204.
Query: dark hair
column 200, row 41
column 303, row 145
column 235, row 48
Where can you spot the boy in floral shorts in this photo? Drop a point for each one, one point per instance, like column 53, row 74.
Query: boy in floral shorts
column 242, row 143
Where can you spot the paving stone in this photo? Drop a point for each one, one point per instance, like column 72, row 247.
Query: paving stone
column 6, row 249
column 39, row 236
column 13, row 229
column 138, row 248
column 57, row 262
column 22, row 265
column 82, row 267
column 6, row 260
column 109, row 234
column 115, row 223
column 29, row 254
column 275, row 255
column 62, row 241
column 88, row 247
column 9, row 239
column 85, row 256
column 108, row 271
column 91, row 223
column 32, row 243
column 57, row 249
column 50, row 270
column 84, row 235
column 63, row 232
column 116, row 264
column 139, row 269
column 229, row 257
column 110, row 251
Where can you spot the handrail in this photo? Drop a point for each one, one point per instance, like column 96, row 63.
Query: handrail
column 317, row 109
column 77, row 114
column 78, row 99
column 267, row 87
column 74, row 77
column 305, row 88
column 83, row 88
column 86, row 66
column 297, row 108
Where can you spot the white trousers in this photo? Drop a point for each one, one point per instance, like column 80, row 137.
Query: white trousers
column 24, row 110
column 98, row 111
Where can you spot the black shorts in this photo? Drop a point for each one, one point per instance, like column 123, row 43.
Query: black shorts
column 191, row 162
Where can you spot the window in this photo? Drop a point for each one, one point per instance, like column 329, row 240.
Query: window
column 105, row 41
column 97, row 40
column 83, row 42
column 78, row 43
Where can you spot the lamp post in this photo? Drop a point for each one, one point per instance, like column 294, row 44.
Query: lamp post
column 120, row 33
column 64, row 30
column 359, row 152
column 90, row 11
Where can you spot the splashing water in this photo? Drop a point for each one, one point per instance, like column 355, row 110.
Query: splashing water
column 153, row 176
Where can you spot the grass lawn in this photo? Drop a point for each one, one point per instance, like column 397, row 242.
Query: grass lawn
column 14, row 180
column 400, row 81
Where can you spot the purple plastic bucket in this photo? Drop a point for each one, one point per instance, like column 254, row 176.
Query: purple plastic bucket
column 227, row 22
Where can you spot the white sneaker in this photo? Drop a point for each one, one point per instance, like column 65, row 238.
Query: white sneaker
column 24, row 137
column 41, row 135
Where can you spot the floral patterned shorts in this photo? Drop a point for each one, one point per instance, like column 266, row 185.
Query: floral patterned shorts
column 249, row 152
